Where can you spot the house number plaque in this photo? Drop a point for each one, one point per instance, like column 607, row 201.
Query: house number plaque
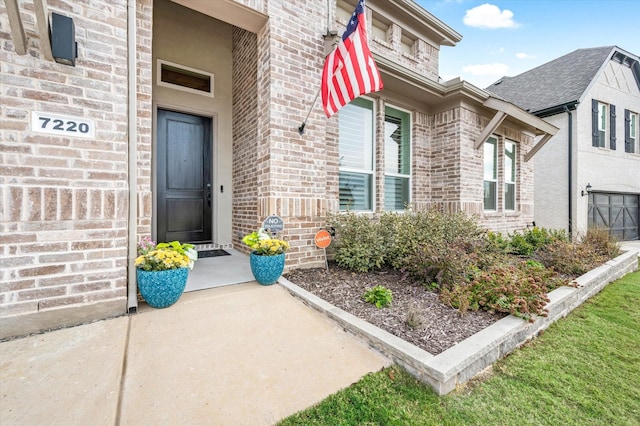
column 55, row 124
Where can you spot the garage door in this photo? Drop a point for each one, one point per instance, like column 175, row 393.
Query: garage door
column 617, row 212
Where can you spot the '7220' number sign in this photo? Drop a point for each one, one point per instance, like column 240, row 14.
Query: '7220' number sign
column 54, row 124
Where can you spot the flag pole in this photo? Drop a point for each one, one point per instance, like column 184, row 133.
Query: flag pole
column 304, row 123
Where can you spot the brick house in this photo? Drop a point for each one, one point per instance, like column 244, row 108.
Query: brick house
column 588, row 175
column 179, row 119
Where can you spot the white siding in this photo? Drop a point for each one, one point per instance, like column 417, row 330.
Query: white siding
column 606, row 170
column 551, row 181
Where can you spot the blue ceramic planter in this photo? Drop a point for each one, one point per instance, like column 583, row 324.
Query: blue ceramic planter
column 266, row 269
column 161, row 289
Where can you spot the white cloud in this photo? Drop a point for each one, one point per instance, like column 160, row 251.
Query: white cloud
column 523, row 55
column 489, row 16
column 495, row 68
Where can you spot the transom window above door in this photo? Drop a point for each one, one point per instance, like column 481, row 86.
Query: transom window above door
column 184, row 78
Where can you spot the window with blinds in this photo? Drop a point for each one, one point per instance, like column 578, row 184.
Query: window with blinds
column 397, row 159
column 356, row 155
column 510, row 175
column 490, row 173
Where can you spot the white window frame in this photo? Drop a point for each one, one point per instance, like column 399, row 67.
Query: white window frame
column 493, row 179
column 508, row 176
column 634, row 134
column 603, row 128
column 410, row 156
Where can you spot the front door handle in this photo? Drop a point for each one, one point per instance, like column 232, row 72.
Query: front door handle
column 209, row 194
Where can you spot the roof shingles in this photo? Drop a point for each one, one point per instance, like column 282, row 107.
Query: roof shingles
column 557, row 82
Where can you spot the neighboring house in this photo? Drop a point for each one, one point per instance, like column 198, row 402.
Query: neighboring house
column 179, row 119
column 588, row 175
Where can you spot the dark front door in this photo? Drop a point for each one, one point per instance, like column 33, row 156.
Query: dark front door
column 184, row 177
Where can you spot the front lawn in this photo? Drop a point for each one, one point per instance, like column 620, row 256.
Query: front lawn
column 584, row 370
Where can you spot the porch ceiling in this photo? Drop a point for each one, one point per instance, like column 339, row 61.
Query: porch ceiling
column 228, row 11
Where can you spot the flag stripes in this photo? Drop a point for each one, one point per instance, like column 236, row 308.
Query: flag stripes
column 349, row 70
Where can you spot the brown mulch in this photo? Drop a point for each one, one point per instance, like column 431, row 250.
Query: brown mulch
column 433, row 326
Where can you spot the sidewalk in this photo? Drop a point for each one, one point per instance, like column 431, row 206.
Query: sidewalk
column 237, row 355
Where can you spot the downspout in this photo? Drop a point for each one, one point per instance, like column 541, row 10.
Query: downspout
column 328, row 16
column 570, row 166
column 132, row 225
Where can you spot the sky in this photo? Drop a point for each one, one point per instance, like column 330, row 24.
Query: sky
column 507, row 38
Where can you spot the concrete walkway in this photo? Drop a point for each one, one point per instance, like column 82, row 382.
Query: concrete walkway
column 237, row 355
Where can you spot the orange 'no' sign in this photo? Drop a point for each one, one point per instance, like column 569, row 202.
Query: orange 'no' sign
column 323, row 239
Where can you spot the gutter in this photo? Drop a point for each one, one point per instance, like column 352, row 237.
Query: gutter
column 557, row 109
column 566, row 107
column 132, row 130
column 570, row 167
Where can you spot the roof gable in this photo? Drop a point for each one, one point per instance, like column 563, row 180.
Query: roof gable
column 559, row 82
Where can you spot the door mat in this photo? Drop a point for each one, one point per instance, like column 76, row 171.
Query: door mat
column 212, row 253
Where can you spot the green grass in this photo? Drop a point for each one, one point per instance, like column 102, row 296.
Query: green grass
column 584, row 370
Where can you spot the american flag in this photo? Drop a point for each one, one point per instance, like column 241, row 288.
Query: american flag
column 349, row 71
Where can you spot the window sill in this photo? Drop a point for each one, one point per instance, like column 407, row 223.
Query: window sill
column 501, row 213
column 382, row 42
column 410, row 57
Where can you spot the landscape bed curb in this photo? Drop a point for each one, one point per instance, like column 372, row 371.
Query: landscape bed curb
column 460, row 363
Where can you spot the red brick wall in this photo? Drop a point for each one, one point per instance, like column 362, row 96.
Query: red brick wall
column 293, row 171
column 245, row 134
column 65, row 199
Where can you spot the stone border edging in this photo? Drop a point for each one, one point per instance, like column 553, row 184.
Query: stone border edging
column 460, row 363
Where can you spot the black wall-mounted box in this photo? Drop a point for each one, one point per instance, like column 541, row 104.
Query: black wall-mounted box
column 63, row 39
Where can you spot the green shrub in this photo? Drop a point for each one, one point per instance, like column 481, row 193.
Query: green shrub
column 406, row 233
column 527, row 242
column 441, row 265
column 470, row 267
column 519, row 245
column 379, row 296
column 518, row 289
column 497, row 241
column 364, row 242
column 579, row 257
column 359, row 243
column 602, row 243
column 402, row 235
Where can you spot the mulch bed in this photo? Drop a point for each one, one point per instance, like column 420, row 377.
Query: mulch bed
column 434, row 326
